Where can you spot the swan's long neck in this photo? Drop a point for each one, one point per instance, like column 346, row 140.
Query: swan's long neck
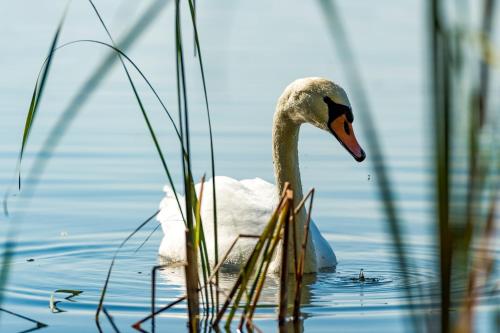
column 286, row 169
column 285, row 154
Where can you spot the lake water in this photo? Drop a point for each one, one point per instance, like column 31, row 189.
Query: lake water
column 105, row 178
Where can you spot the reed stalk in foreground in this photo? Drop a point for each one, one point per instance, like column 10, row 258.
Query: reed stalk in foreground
column 288, row 219
column 255, row 269
column 301, row 260
column 191, row 267
column 461, row 117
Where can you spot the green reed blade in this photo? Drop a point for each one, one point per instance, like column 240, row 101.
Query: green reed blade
column 192, row 7
column 191, row 255
column 110, row 269
column 199, row 238
column 197, row 216
column 191, row 200
column 38, row 93
column 441, row 98
column 141, row 106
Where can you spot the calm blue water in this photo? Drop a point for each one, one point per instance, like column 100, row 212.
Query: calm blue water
column 105, row 178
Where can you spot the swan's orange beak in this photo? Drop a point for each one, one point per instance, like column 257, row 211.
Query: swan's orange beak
column 343, row 131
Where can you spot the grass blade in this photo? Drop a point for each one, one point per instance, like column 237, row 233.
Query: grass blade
column 110, row 269
column 143, row 111
column 191, row 254
column 192, row 8
column 38, row 93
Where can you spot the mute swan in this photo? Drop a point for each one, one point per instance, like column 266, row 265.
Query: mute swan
column 244, row 207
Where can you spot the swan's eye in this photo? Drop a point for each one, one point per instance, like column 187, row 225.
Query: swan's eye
column 336, row 110
column 346, row 128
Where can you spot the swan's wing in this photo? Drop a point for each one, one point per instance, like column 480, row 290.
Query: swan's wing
column 262, row 187
column 243, row 207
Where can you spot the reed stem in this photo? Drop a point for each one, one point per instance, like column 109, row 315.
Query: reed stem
column 283, row 303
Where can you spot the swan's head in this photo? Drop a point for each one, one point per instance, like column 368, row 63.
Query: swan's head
column 325, row 105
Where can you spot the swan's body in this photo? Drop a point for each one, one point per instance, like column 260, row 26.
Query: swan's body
column 248, row 205
column 244, row 207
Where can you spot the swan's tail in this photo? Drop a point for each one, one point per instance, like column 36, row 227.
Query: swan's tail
column 170, row 217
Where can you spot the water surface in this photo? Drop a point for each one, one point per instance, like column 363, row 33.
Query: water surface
column 105, row 177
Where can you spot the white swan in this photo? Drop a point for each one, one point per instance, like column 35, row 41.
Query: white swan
column 244, row 207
